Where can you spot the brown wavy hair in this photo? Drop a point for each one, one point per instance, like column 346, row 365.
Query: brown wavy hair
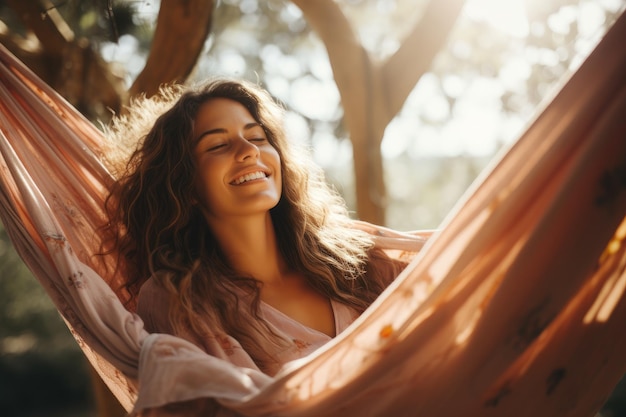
column 160, row 233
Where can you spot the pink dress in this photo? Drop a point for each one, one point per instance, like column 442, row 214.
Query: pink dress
column 153, row 309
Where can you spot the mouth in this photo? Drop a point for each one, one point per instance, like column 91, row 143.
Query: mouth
column 250, row 177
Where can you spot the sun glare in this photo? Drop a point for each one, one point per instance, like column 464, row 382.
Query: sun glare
column 508, row 16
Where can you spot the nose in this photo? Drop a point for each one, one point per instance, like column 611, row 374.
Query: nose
column 246, row 149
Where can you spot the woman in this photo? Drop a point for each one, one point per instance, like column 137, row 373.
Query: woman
column 236, row 242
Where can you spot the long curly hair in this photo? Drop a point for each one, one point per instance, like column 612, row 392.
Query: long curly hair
column 160, row 233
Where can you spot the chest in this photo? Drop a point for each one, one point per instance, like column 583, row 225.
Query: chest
column 297, row 300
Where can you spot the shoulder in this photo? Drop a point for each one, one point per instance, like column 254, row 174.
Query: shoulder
column 153, row 304
column 151, row 288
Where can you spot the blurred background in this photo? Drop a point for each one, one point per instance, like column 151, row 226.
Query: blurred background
column 475, row 81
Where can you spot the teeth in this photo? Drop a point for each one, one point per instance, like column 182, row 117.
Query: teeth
column 249, row 177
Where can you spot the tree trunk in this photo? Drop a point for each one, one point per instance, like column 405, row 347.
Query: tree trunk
column 181, row 31
column 372, row 92
column 79, row 74
column 67, row 64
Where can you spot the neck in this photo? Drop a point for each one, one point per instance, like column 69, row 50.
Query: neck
column 250, row 247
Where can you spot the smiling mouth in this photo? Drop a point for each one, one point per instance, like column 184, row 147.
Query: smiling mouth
column 249, row 177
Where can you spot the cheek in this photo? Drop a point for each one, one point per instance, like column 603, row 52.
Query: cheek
column 275, row 156
column 204, row 189
column 279, row 172
column 208, row 173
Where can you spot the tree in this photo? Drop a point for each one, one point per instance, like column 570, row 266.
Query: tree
column 72, row 65
column 372, row 92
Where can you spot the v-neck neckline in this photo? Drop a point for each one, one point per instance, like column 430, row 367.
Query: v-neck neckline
column 291, row 319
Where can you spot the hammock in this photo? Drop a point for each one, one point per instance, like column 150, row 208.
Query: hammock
column 515, row 307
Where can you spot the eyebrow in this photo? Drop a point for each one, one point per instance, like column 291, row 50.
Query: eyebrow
column 222, row 130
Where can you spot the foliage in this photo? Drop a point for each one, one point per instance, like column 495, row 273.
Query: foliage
column 42, row 368
column 616, row 404
column 93, row 20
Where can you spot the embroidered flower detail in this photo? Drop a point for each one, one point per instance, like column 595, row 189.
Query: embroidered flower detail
column 611, row 183
column 494, row 399
column 68, row 207
column 386, row 331
column 56, row 239
column 301, row 344
column 554, row 379
column 79, row 340
column 225, row 344
column 532, row 325
column 76, row 280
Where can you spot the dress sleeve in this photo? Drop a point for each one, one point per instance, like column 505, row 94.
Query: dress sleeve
column 153, row 308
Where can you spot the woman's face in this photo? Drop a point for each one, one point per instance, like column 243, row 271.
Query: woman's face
column 238, row 170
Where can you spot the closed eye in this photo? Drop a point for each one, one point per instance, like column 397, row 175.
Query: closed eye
column 216, row 147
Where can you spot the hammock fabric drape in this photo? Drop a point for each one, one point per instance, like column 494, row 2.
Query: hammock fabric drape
column 516, row 307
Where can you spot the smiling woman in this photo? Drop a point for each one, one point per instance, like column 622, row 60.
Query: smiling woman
column 236, row 242
column 515, row 307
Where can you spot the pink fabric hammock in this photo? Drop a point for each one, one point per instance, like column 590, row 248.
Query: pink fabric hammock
column 516, row 307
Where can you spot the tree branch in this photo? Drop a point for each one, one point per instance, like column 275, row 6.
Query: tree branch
column 181, row 31
column 358, row 80
column 42, row 18
column 345, row 52
column 67, row 64
column 404, row 68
